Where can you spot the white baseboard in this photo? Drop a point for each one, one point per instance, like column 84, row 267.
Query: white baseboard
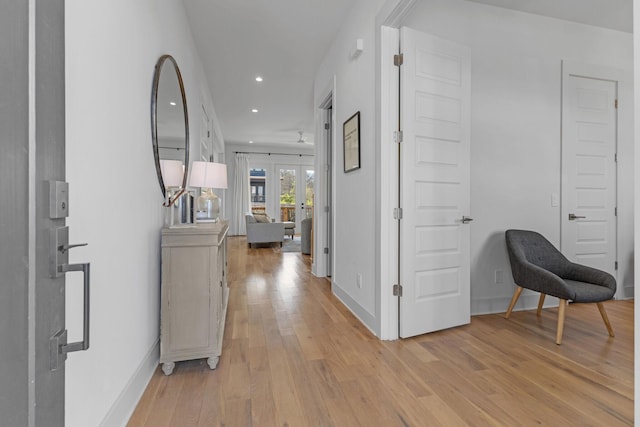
column 366, row 318
column 527, row 301
column 127, row 401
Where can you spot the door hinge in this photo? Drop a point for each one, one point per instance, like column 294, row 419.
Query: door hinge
column 397, row 213
column 326, row 250
column 615, row 157
column 615, row 103
column 327, row 126
column 398, row 60
column 397, row 290
column 397, row 136
column 615, row 211
column 326, row 209
column 616, row 265
column 208, row 134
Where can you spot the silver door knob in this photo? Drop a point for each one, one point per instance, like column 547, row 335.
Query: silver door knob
column 573, row 217
column 466, row 219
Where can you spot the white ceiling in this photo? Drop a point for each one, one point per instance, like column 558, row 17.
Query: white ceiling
column 284, row 41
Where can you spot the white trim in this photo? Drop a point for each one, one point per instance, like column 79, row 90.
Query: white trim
column 126, row 403
column 388, row 20
column 362, row 314
column 528, row 301
column 393, row 12
column 319, row 266
column 387, row 165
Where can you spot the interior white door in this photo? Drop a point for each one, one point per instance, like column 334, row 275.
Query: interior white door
column 589, row 131
column 434, row 184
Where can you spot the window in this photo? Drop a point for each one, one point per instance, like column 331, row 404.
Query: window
column 258, row 180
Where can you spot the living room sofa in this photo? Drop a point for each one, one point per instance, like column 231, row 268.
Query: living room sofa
column 263, row 232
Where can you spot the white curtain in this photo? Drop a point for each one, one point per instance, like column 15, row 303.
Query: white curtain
column 242, row 194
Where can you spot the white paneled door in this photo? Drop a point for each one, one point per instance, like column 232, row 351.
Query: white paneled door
column 589, row 171
column 434, row 184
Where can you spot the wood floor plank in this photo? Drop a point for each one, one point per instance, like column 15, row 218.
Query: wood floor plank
column 189, row 404
column 294, row 355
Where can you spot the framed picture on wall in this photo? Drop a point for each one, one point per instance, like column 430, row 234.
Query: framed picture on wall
column 351, row 138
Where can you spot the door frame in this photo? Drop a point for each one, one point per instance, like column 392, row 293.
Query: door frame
column 388, row 22
column 322, row 236
column 600, row 72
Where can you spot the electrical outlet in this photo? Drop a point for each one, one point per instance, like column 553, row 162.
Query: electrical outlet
column 359, row 280
column 499, row 277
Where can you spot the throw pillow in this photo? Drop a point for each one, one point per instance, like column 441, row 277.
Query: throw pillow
column 262, row 218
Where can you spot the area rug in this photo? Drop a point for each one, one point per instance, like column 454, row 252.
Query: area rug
column 291, row 245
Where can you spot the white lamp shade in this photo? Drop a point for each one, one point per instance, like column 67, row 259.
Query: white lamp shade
column 208, row 175
column 218, row 175
column 172, row 173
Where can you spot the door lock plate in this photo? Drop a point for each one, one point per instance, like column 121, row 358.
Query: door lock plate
column 57, row 356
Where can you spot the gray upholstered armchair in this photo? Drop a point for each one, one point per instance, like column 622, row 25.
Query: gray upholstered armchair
column 537, row 265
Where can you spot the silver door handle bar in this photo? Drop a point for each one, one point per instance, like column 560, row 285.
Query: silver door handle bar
column 573, row 217
column 466, row 219
column 84, row 344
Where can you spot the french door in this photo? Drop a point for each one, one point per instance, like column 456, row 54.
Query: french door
column 295, row 195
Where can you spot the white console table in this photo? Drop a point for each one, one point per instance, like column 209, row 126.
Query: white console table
column 194, row 294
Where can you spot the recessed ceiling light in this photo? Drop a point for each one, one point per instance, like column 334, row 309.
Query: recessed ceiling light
column 172, row 103
column 255, row 110
column 258, row 79
column 250, row 142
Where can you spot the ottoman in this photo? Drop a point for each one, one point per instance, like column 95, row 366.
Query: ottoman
column 289, row 228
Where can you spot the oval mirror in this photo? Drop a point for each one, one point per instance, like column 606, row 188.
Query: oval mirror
column 169, row 125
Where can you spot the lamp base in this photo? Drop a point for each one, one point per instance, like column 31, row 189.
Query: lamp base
column 210, row 220
column 207, row 207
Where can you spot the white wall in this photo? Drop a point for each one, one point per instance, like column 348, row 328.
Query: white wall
column 515, row 128
column 267, row 161
column 115, row 201
column 515, row 137
column 354, row 192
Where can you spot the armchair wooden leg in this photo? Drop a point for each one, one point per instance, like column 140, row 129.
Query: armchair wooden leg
column 540, row 303
column 603, row 313
column 561, row 309
column 514, row 299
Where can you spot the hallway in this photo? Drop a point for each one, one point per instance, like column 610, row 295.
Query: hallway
column 294, row 355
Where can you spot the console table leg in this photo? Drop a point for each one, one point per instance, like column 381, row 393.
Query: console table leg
column 213, row 362
column 167, row 367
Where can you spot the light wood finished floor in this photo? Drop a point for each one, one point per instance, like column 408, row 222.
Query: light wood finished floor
column 295, row 356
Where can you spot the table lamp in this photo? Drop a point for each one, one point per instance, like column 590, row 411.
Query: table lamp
column 208, row 175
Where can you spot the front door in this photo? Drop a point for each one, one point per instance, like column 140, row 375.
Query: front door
column 32, row 132
column 589, row 171
column 434, row 184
